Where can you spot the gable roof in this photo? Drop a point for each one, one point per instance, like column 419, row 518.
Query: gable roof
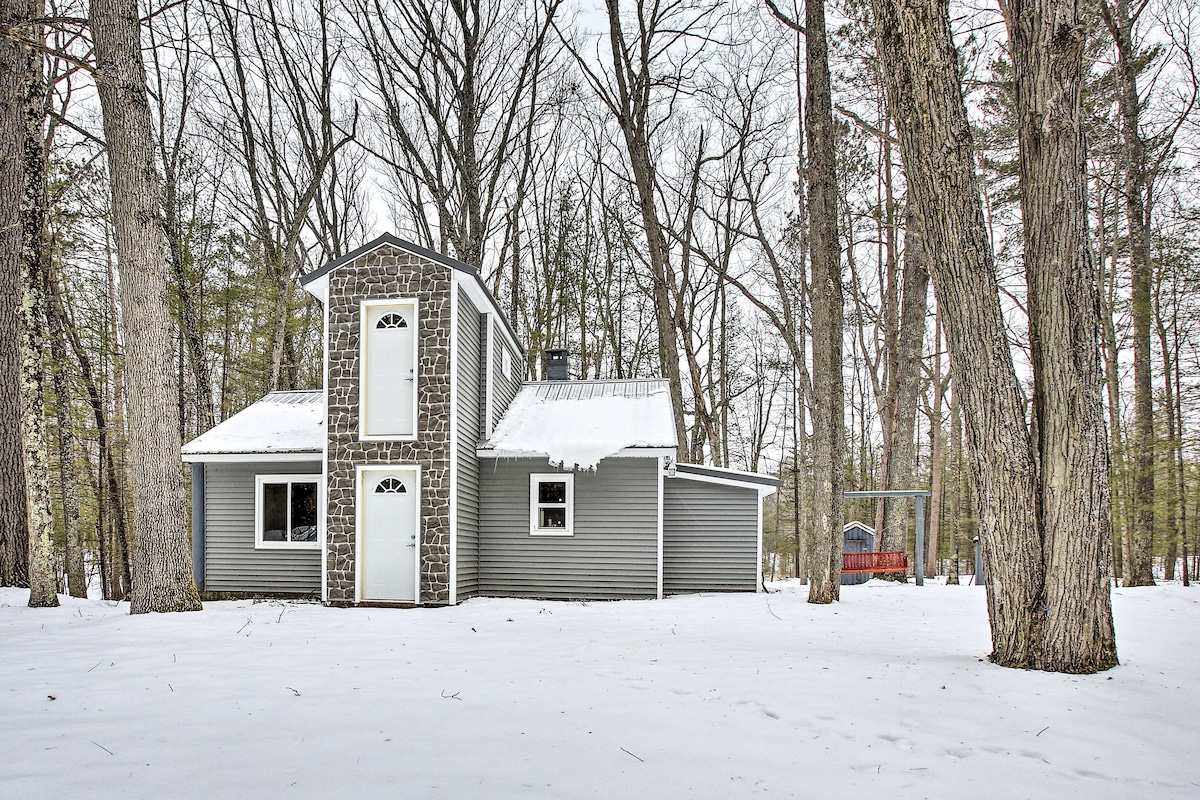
column 281, row 422
column 391, row 240
column 578, row 423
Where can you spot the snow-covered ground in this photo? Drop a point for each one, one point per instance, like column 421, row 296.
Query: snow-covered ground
column 887, row 693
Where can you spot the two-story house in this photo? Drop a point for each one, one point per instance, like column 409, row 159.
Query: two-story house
column 428, row 471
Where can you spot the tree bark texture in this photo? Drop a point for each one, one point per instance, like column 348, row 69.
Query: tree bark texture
column 43, row 578
column 828, row 509
column 67, row 451
column 1047, row 40
column 920, row 67
column 901, row 470
column 1141, row 440
column 162, row 569
column 937, row 454
column 14, row 525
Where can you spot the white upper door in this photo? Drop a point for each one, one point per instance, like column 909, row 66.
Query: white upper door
column 389, row 378
column 388, row 543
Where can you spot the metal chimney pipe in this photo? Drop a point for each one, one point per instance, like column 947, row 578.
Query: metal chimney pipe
column 555, row 365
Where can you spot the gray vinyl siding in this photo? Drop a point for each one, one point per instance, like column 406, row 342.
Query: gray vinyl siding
column 469, row 434
column 504, row 389
column 232, row 564
column 613, row 553
column 710, row 537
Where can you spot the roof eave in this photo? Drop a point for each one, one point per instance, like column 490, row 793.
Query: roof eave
column 254, row 456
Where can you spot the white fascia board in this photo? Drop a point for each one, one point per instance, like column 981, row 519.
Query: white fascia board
column 319, row 288
column 484, row 305
column 763, row 489
column 628, row 452
column 244, row 458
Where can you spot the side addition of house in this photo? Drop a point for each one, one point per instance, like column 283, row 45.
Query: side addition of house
column 427, row 471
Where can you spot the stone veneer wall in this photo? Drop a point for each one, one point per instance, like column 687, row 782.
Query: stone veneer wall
column 389, row 273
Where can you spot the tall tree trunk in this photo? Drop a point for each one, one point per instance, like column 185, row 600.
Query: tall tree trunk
column 14, row 523
column 937, row 453
column 111, row 517
column 633, row 73
column 1140, row 553
column 43, row 578
column 1112, row 383
column 67, row 476
column 1173, row 441
column 162, row 569
column 901, row 472
column 829, row 433
column 1047, row 40
column 920, row 67
column 954, row 501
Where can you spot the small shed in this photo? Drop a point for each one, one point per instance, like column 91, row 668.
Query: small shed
column 857, row 537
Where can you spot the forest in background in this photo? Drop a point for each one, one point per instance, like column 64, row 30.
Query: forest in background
column 614, row 204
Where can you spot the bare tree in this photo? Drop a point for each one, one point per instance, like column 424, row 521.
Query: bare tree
column 646, row 70
column 920, row 67
column 14, row 526
column 1121, row 18
column 901, row 461
column 35, row 256
column 162, row 569
column 1047, row 40
column 825, row 538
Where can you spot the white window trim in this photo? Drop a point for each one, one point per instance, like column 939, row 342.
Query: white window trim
column 295, row 477
column 363, row 305
column 557, row 477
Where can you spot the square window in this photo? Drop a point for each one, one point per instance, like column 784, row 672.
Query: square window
column 287, row 511
column 551, row 505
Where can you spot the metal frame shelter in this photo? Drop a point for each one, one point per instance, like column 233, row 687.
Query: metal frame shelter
column 919, row 495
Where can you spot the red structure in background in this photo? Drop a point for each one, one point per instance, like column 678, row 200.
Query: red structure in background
column 886, row 561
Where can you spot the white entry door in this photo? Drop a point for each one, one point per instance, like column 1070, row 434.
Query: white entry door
column 388, row 541
column 388, row 364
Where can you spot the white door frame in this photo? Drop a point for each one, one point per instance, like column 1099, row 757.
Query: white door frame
column 358, row 523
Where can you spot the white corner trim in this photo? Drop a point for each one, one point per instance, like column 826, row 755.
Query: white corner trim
column 661, row 475
column 489, row 371
column 758, row 583
column 324, row 280
column 453, row 443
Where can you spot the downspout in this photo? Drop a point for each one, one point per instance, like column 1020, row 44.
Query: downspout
column 198, row 523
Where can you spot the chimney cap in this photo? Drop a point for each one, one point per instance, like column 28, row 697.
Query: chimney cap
column 557, row 364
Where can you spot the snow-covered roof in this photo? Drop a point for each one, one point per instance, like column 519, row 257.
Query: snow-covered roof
column 281, row 422
column 578, row 423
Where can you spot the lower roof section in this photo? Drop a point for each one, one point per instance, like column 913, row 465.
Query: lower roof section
column 283, row 426
column 764, row 484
